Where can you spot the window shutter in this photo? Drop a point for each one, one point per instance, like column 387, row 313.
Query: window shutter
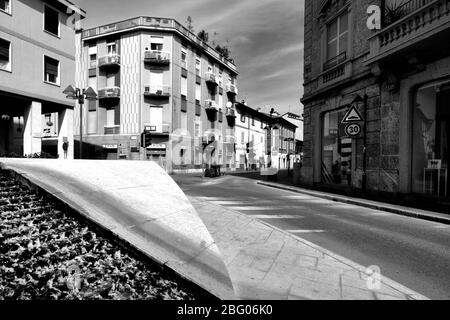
column 51, row 67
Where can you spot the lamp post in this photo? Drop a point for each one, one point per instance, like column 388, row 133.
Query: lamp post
column 81, row 95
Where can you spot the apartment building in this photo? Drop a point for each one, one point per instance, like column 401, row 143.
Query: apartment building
column 391, row 61
column 153, row 75
column 263, row 140
column 37, row 61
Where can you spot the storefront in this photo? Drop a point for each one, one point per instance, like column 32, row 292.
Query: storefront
column 431, row 130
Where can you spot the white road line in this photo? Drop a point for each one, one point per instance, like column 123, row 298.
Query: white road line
column 306, row 231
column 250, row 208
column 277, row 216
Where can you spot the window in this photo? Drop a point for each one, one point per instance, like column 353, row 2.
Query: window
column 242, row 137
column 253, row 121
column 5, row 5
column 337, row 39
column 111, row 48
column 184, row 58
column 220, row 101
column 51, row 70
column 210, row 68
column 198, row 93
column 5, row 55
column 198, row 66
column 93, row 61
column 51, row 20
column 220, row 77
column 183, row 87
column 197, row 128
column 243, row 118
column 157, row 43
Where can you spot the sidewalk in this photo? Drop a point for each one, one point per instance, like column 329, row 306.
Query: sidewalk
column 397, row 209
column 267, row 263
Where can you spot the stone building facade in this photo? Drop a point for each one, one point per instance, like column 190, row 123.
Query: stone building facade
column 391, row 61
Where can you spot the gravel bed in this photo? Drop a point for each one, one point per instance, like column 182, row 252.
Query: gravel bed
column 47, row 254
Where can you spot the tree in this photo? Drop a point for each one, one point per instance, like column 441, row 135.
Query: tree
column 203, row 35
column 189, row 24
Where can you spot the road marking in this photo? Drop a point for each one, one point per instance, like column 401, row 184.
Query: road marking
column 250, row 208
column 273, row 216
column 306, row 231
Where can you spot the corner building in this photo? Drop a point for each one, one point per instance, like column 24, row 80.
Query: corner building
column 37, row 61
column 153, row 74
column 399, row 61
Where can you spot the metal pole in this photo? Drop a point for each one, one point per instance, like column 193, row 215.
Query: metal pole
column 81, row 102
column 364, row 177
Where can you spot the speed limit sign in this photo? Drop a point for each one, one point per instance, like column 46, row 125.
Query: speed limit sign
column 353, row 130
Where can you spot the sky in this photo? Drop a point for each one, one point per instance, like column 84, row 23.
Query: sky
column 265, row 38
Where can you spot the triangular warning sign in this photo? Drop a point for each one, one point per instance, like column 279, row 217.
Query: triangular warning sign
column 352, row 115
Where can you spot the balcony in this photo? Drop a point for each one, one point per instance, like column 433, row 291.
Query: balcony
column 112, row 130
column 109, row 93
column 156, row 57
column 211, row 78
column 231, row 89
column 161, row 92
column 231, row 113
column 335, row 75
column 158, row 130
column 112, row 60
column 211, row 105
column 419, row 26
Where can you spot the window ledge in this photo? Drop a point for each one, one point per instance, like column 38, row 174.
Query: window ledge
column 6, row 70
column 52, row 34
column 6, row 12
column 53, row 84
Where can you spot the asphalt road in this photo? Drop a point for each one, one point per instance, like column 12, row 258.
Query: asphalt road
column 413, row 252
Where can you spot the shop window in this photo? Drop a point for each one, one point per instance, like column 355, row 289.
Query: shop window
column 51, row 20
column 337, row 150
column 431, row 131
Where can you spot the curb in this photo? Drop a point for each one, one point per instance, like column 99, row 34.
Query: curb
column 371, row 205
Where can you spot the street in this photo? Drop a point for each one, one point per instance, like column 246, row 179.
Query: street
column 410, row 251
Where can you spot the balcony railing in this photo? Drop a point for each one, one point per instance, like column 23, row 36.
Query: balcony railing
column 110, row 92
column 161, row 129
column 411, row 31
column 231, row 88
column 157, row 91
column 109, row 60
column 393, row 14
column 210, row 77
column 211, row 105
column 112, row 129
column 335, row 61
column 157, row 57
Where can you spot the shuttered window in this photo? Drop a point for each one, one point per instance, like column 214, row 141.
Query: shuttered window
column 5, row 5
column 51, row 20
column 51, row 70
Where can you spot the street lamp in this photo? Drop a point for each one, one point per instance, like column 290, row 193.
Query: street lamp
column 80, row 95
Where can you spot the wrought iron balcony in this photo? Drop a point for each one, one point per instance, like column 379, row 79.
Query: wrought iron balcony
column 157, row 91
column 211, row 78
column 335, row 61
column 157, row 57
column 109, row 60
column 108, row 93
column 231, row 89
column 112, row 130
column 420, row 24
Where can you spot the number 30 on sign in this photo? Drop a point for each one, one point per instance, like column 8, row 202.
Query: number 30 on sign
column 353, row 130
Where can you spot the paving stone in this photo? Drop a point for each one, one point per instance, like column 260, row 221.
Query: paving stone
column 317, row 276
column 314, row 290
column 306, row 261
column 263, row 263
column 350, row 293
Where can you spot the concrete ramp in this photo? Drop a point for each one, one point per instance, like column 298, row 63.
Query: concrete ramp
column 140, row 203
